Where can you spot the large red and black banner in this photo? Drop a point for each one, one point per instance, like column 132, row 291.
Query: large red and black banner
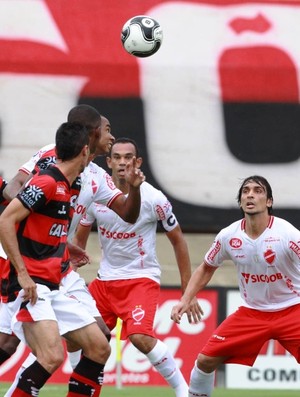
column 218, row 102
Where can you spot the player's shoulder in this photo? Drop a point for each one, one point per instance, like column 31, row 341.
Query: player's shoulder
column 45, row 149
column 93, row 169
column 281, row 223
column 234, row 228
column 149, row 190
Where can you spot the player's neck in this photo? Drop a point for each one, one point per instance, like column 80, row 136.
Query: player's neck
column 70, row 169
column 256, row 224
column 121, row 184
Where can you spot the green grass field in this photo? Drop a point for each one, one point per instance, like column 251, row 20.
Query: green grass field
column 109, row 391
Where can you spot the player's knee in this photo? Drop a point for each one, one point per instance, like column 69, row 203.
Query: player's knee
column 100, row 353
column 107, row 351
column 207, row 364
column 143, row 343
column 9, row 343
column 51, row 359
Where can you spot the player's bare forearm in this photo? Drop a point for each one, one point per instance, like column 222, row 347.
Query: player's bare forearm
column 15, row 185
column 128, row 208
column 198, row 281
column 81, row 236
column 12, row 215
column 181, row 252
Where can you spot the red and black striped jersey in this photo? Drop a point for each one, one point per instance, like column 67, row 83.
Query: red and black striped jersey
column 42, row 236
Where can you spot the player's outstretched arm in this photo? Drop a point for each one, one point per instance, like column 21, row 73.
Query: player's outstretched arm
column 79, row 242
column 180, row 247
column 200, row 278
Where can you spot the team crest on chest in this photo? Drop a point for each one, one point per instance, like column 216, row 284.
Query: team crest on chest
column 269, row 256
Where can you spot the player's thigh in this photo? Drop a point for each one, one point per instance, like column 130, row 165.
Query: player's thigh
column 138, row 308
column 100, row 292
column 44, row 339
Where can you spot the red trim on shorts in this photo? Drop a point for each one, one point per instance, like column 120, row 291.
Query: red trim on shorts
column 24, row 316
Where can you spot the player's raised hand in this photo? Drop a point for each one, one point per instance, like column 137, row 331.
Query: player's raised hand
column 133, row 175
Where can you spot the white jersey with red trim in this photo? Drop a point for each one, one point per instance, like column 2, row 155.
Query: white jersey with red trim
column 129, row 250
column 96, row 186
column 268, row 267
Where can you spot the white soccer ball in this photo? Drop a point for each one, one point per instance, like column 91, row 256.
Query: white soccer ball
column 141, row 36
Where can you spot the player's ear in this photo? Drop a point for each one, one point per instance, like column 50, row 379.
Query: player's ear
column 139, row 162
column 269, row 202
column 108, row 161
column 86, row 150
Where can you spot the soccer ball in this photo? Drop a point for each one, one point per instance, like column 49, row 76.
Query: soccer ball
column 141, row 36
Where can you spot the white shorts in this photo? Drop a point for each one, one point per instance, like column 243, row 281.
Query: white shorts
column 69, row 313
column 73, row 285
column 7, row 311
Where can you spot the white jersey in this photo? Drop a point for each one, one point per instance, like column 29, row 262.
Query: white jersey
column 28, row 167
column 129, row 250
column 268, row 268
column 96, row 186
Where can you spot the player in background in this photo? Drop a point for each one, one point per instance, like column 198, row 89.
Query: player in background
column 128, row 280
column 33, row 231
column 266, row 252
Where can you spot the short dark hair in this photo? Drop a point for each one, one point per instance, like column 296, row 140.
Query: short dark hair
column 126, row 140
column 262, row 182
column 70, row 139
column 84, row 114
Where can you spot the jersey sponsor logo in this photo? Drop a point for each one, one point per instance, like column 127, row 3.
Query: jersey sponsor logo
column 262, row 278
column 62, row 211
column 295, row 248
column 116, row 235
column 138, row 314
column 45, row 162
column 160, row 212
column 31, row 194
column 269, row 256
column 110, row 182
column 60, row 189
column 58, row 230
column 80, row 209
column 167, row 206
column 235, row 243
column 214, row 251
